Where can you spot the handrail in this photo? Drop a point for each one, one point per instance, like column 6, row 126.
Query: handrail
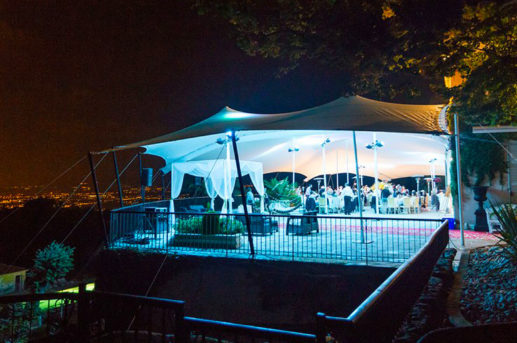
column 381, row 291
column 359, row 325
column 287, row 216
column 153, row 301
column 18, row 298
column 235, row 328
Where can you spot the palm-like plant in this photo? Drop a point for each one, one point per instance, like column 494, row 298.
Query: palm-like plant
column 507, row 217
column 282, row 190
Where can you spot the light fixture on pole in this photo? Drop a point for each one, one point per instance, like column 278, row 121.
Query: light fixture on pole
column 376, row 144
column 433, row 172
column 294, row 150
column 417, row 179
column 325, row 142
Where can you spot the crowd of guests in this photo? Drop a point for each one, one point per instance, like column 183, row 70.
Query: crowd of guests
column 347, row 198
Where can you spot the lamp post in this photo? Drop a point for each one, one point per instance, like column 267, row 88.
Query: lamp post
column 376, row 144
column 433, row 173
column 294, row 150
column 325, row 142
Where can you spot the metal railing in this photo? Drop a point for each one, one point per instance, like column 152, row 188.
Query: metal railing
column 101, row 316
column 113, row 317
column 380, row 316
column 289, row 237
column 34, row 316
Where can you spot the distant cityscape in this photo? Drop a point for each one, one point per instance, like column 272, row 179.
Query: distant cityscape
column 17, row 196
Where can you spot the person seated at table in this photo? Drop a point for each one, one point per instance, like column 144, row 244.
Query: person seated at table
column 310, row 203
column 322, row 191
column 340, row 191
column 330, row 191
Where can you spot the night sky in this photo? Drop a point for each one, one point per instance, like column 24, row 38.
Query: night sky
column 87, row 75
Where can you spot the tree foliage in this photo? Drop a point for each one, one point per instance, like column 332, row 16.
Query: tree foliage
column 389, row 48
column 51, row 264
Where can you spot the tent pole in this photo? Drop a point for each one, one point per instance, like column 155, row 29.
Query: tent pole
column 376, row 171
column 337, row 169
column 347, row 173
column 99, row 202
column 458, row 172
column 359, row 198
column 325, row 178
column 243, row 195
column 163, row 186
column 142, row 187
column 118, row 179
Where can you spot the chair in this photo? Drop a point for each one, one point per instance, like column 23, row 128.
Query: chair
column 415, row 205
column 259, row 224
column 392, row 207
column 302, row 225
column 321, row 204
column 406, row 205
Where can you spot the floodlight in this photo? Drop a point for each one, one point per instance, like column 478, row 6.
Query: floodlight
column 293, row 149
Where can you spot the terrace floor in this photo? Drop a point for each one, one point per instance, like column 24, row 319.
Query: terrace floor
column 387, row 239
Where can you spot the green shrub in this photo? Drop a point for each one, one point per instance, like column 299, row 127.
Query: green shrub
column 507, row 217
column 231, row 226
column 189, row 225
column 209, row 225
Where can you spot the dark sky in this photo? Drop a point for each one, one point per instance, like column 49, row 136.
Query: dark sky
column 86, row 75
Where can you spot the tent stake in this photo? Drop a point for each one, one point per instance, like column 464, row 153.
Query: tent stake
column 243, row 195
column 99, row 202
column 115, row 164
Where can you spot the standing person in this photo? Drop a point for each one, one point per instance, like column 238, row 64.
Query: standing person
column 385, row 193
column 250, row 198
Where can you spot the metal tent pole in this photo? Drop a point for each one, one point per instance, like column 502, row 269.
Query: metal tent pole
column 142, row 187
column 325, row 177
column 347, row 172
column 243, row 195
column 458, row 171
column 163, row 186
column 337, row 169
column 375, row 147
column 99, row 202
column 359, row 199
column 117, row 174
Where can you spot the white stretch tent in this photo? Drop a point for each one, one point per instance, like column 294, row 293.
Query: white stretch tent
column 219, row 176
column 266, row 138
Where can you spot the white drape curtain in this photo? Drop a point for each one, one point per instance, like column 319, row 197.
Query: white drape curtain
column 215, row 173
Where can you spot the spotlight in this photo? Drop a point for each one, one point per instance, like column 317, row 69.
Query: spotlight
column 293, row 149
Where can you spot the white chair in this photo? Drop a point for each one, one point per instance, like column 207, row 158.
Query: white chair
column 406, row 205
column 392, row 206
column 414, row 205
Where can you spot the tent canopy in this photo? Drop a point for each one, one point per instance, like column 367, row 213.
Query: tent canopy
column 266, row 138
column 352, row 113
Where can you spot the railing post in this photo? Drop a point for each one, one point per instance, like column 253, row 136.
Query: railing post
column 82, row 314
column 181, row 333
column 321, row 332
